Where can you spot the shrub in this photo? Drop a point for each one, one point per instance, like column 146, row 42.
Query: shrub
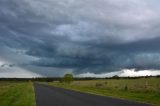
column 99, row 84
column 126, row 88
column 105, row 83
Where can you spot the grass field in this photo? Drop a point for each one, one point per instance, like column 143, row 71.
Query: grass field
column 16, row 94
column 143, row 90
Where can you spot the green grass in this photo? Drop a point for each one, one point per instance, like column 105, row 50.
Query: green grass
column 17, row 94
column 143, row 90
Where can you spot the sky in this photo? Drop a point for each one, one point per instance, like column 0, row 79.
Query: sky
column 88, row 38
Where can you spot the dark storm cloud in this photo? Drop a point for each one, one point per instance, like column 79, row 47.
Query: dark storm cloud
column 81, row 36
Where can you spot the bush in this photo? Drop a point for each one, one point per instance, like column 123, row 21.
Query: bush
column 105, row 83
column 99, row 84
column 126, row 88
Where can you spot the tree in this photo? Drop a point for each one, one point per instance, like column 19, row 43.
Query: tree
column 68, row 78
column 115, row 77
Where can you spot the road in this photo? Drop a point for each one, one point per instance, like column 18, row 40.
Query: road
column 52, row 96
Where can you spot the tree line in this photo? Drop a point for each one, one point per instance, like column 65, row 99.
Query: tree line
column 69, row 77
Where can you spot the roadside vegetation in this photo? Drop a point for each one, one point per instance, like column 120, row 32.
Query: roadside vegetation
column 142, row 89
column 16, row 93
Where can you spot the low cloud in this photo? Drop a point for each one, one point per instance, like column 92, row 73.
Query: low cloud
column 122, row 73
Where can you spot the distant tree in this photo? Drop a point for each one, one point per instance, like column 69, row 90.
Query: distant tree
column 68, row 78
column 158, row 76
column 115, row 77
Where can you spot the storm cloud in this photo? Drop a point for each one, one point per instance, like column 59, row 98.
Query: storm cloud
column 54, row 37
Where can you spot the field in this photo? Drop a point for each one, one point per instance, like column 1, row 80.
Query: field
column 146, row 90
column 16, row 94
column 143, row 90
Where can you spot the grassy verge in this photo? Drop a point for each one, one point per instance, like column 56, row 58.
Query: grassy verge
column 17, row 94
column 141, row 90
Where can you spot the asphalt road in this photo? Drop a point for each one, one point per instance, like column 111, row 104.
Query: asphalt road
column 52, row 96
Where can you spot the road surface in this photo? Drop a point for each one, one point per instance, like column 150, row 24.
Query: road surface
column 52, row 96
